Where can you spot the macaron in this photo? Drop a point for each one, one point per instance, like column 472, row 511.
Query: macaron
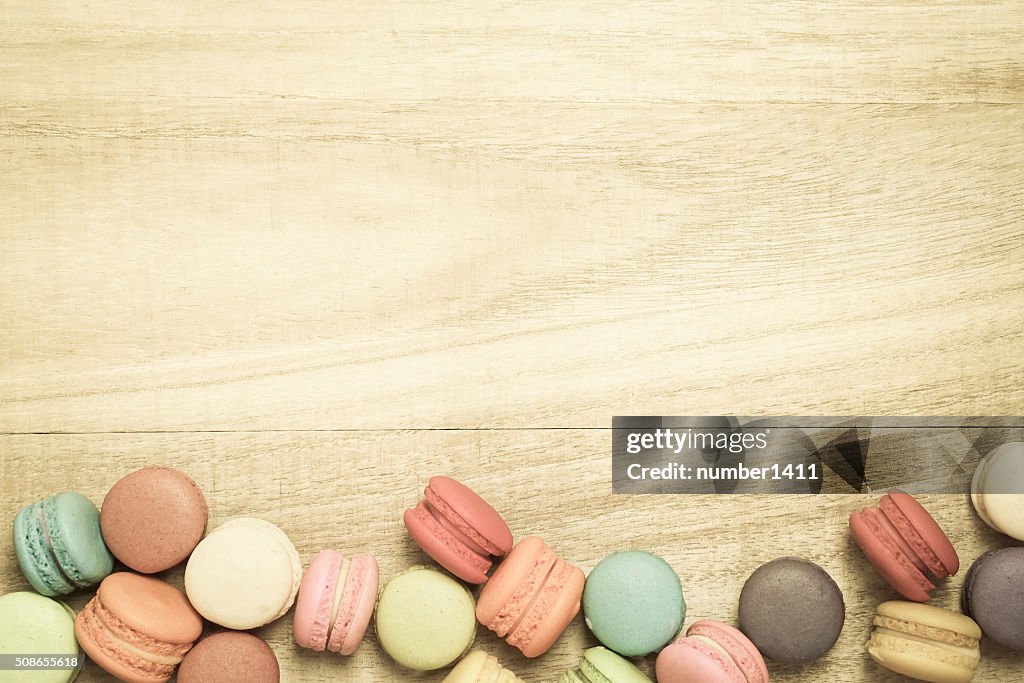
column 531, row 597
column 993, row 595
column 601, row 665
column 633, row 603
column 458, row 529
column 711, row 652
column 480, row 667
column 925, row 642
column 59, row 545
column 905, row 545
column 425, row 619
column 138, row 628
column 335, row 602
column 792, row 610
column 997, row 489
column 31, row 624
column 153, row 518
column 229, row 657
column 244, row 574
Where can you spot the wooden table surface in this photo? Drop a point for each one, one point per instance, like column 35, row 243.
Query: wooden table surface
column 315, row 253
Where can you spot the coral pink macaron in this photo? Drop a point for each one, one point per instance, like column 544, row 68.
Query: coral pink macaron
column 905, row 544
column 531, row 598
column 138, row 628
column 458, row 529
column 336, row 601
column 711, row 652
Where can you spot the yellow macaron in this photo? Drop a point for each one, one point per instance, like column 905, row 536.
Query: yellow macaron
column 925, row 642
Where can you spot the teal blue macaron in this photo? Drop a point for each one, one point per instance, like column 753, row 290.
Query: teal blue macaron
column 59, row 545
column 633, row 603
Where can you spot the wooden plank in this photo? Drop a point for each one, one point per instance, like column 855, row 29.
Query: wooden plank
column 790, row 259
column 347, row 491
column 744, row 50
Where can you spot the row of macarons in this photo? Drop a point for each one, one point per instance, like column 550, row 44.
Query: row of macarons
column 528, row 600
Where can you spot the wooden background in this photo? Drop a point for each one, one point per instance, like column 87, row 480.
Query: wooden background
column 313, row 253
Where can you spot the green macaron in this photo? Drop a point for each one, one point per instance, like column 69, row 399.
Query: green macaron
column 425, row 619
column 600, row 665
column 34, row 626
column 633, row 603
column 59, row 545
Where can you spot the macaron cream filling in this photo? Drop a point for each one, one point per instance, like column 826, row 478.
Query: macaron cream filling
column 346, row 605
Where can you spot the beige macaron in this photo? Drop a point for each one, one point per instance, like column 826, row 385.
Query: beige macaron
column 997, row 489
column 925, row 642
column 244, row 574
column 480, row 667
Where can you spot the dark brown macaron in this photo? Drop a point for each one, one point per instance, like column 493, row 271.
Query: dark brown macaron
column 230, row 657
column 792, row 610
column 153, row 518
column 993, row 595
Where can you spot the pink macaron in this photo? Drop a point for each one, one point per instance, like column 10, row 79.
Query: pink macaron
column 336, row 601
column 905, row 544
column 458, row 529
column 711, row 652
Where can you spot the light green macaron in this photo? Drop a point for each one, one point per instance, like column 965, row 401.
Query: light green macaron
column 31, row 624
column 425, row 619
column 601, row 665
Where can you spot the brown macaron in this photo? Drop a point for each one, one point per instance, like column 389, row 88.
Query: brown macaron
column 792, row 610
column 153, row 518
column 229, row 657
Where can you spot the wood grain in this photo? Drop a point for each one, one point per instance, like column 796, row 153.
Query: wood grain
column 315, row 253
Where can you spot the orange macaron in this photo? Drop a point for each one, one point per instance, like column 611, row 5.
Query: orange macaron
column 531, row 598
column 138, row 628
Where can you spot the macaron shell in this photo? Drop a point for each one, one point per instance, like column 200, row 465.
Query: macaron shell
column 743, row 652
column 922, row 533
column 691, row 661
column 993, row 595
column 792, row 610
column 230, row 657
column 35, row 557
column 470, row 669
column 244, row 574
column 153, row 518
column 357, row 602
column 918, row 618
column 888, row 556
column 917, row 660
column 32, row 623
column 600, row 663
column 471, row 514
column 150, row 606
column 315, row 601
column 72, row 523
column 480, row 667
column 997, row 489
column 633, row 603
column 444, row 547
column 425, row 619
